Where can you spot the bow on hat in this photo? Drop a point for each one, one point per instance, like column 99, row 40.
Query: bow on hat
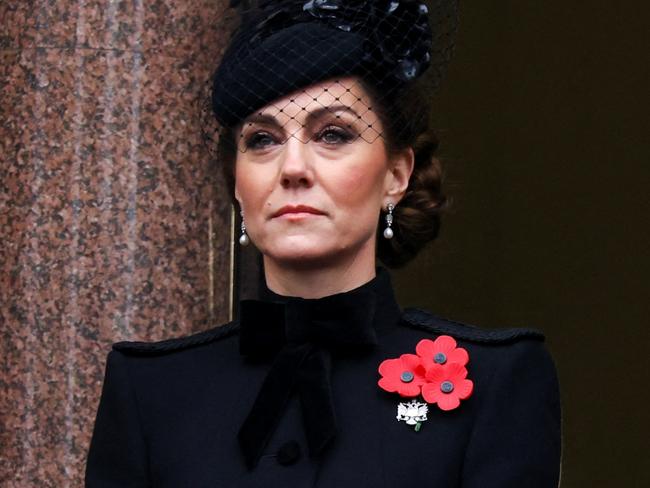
column 301, row 336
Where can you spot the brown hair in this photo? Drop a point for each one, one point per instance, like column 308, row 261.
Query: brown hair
column 405, row 119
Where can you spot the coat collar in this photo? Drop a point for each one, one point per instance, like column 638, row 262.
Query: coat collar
column 384, row 316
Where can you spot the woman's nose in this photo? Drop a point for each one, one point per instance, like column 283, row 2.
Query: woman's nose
column 296, row 167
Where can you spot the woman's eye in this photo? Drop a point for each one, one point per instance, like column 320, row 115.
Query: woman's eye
column 334, row 135
column 259, row 140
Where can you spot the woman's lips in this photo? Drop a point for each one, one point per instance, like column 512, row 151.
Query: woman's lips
column 297, row 212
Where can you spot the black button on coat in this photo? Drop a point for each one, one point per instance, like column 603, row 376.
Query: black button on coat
column 172, row 413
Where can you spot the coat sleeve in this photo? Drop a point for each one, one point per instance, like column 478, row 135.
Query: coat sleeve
column 117, row 456
column 516, row 440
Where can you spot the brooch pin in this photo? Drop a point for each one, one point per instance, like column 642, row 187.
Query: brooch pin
column 413, row 413
column 437, row 372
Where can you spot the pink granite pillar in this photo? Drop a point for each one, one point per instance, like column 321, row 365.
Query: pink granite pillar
column 113, row 222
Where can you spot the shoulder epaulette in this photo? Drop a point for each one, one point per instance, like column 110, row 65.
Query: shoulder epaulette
column 177, row 344
column 422, row 319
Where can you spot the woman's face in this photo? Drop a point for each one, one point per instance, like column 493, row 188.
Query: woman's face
column 312, row 175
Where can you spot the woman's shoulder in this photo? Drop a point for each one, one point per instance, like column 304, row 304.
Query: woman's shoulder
column 428, row 322
column 188, row 342
column 515, row 352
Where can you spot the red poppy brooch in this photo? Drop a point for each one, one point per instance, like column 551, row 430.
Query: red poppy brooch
column 437, row 372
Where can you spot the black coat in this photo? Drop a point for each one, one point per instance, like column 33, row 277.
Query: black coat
column 171, row 411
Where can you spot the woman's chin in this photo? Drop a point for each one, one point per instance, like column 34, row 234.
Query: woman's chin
column 302, row 251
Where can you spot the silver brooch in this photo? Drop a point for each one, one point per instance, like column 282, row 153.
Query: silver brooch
column 413, row 413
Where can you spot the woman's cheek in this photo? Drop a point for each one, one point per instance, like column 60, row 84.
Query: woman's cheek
column 252, row 186
column 359, row 187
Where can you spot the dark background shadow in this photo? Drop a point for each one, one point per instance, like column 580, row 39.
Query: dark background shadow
column 543, row 122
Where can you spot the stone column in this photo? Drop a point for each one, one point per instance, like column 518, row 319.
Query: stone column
column 114, row 224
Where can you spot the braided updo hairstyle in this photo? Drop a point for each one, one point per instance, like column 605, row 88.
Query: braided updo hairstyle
column 405, row 119
column 406, row 122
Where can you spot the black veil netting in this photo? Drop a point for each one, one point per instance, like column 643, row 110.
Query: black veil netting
column 294, row 67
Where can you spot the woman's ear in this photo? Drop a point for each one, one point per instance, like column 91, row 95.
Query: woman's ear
column 399, row 174
column 237, row 196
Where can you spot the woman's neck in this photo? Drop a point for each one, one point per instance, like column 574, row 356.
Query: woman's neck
column 316, row 281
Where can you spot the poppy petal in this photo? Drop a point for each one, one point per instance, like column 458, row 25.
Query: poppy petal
column 448, row 402
column 420, row 372
column 425, row 348
column 455, row 371
column 430, row 392
column 411, row 361
column 464, row 388
column 409, row 390
column 435, row 373
column 388, row 385
column 458, row 355
column 389, row 365
column 445, row 344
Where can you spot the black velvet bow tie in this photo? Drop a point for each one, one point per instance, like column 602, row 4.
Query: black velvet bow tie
column 301, row 336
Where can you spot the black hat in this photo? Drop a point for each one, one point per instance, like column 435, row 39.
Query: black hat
column 284, row 45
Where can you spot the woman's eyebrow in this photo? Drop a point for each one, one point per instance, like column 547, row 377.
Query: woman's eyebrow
column 260, row 118
column 267, row 119
column 319, row 112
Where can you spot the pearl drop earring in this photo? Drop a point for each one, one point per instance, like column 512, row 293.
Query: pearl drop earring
column 243, row 238
column 388, row 232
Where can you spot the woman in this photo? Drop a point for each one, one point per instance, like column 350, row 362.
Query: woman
column 325, row 381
